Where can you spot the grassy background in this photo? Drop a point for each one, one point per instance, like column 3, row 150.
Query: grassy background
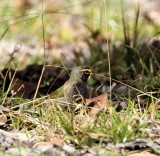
column 61, row 23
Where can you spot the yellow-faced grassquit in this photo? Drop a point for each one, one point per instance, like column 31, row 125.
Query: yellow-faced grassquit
column 75, row 89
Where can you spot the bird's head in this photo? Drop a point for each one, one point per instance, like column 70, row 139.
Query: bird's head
column 86, row 73
column 81, row 73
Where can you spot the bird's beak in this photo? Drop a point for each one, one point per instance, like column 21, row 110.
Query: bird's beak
column 91, row 74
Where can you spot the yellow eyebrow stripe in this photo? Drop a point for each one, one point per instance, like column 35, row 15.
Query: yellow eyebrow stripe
column 89, row 70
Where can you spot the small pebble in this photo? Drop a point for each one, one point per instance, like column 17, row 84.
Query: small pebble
column 68, row 149
column 9, row 140
column 1, row 139
column 5, row 144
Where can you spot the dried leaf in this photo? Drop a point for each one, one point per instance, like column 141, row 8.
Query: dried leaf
column 98, row 103
column 22, row 88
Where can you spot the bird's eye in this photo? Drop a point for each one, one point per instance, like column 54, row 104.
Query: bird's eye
column 87, row 72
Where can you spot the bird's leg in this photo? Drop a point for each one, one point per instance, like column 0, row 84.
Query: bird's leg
column 79, row 99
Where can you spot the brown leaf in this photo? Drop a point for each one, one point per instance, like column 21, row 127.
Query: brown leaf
column 97, row 103
column 22, row 88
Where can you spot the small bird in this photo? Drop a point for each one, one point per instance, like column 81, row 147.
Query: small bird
column 75, row 89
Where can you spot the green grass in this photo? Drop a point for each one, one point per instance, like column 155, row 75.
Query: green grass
column 43, row 118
